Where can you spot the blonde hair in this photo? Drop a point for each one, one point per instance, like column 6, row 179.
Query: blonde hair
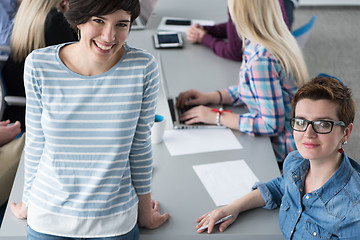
column 261, row 21
column 29, row 28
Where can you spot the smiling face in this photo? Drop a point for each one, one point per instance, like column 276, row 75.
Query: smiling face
column 314, row 146
column 102, row 37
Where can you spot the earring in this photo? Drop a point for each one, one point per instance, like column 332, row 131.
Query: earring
column 78, row 34
column 341, row 150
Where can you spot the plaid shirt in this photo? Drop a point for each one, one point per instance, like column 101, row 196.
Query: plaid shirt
column 267, row 92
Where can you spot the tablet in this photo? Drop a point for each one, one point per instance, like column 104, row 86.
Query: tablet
column 168, row 40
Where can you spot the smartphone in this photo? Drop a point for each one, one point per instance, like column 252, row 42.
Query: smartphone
column 168, row 40
column 181, row 22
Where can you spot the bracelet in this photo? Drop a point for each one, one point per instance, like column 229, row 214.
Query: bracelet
column 221, row 98
column 218, row 119
column 218, row 114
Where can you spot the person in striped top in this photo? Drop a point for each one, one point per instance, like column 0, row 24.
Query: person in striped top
column 90, row 108
column 271, row 71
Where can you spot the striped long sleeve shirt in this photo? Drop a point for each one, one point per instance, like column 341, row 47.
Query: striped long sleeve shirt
column 88, row 147
column 267, row 92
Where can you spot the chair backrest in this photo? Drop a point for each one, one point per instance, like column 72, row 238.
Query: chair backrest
column 8, row 100
column 4, row 52
column 302, row 33
column 2, row 96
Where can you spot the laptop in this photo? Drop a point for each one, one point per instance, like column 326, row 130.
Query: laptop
column 146, row 9
column 176, row 112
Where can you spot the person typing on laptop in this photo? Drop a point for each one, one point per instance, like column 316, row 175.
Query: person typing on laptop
column 271, row 71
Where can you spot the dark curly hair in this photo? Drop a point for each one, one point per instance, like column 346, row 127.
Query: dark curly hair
column 80, row 11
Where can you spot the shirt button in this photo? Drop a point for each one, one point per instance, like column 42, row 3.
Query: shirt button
column 314, row 233
column 299, row 211
column 294, row 176
column 301, row 189
column 307, row 197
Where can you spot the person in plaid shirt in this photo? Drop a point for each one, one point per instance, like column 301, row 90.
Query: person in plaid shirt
column 272, row 69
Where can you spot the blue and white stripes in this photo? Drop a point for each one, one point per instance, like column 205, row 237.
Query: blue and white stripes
column 88, row 146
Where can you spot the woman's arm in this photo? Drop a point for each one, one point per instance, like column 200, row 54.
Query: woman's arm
column 149, row 212
column 262, row 93
column 35, row 139
column 249, row 201
column 141, row 151
column 231, row 48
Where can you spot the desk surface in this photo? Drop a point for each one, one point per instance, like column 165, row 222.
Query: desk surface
column 185, row 198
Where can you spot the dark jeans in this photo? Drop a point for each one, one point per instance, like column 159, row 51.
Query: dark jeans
column 33, row 235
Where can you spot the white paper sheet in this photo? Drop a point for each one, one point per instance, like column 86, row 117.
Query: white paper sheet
column 163, row 27
column 226, row 181
column 189, row 141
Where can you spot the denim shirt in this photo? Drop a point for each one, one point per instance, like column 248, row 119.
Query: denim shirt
column 330, row 212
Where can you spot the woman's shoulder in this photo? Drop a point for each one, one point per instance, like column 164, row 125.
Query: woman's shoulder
column 354, row 182
column 293, row 160
column 43, row 55
column 46, row 51
column 138, row 53
column 256, row 52
column 140, row 57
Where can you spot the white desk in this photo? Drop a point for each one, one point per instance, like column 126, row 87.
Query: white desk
column 184, row 197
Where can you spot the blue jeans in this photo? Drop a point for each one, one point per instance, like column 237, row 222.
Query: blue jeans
column 33, row 235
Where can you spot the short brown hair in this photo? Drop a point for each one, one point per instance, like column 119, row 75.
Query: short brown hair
column 328, row 88
column 80, row 11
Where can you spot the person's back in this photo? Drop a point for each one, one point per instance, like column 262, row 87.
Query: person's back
column 55, row 30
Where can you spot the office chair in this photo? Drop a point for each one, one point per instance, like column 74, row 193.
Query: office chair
column 8, row 100
column 302, row 33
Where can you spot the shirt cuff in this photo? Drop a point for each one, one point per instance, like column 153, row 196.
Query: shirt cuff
column 266, row 195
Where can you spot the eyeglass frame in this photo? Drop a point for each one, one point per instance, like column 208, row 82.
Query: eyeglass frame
column 333, row 123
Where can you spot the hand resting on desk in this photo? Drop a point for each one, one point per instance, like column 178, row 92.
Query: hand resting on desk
column 195, row 33
column 149, row 215
column 249, row 201
column 19, row 210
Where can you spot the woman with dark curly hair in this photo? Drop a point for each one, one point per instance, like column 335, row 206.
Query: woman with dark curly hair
column 90, row 108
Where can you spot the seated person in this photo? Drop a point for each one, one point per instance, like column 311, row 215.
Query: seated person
column 222, row 38
column 45, row 24
column 271, row 71
column 318, row 192
column 290, row 6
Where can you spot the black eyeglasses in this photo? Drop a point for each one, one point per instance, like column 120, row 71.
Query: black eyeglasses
column 319, row 126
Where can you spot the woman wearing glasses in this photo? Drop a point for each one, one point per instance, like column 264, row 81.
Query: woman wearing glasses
column 318, row 192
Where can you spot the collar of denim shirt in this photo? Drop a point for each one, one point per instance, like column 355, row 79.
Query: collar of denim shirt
column 337, row 182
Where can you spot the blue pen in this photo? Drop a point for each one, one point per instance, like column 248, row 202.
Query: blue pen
column 217, row 222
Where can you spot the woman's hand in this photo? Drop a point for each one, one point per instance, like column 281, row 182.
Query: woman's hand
column 8, row 131
column 199, row 114
column 195, row 33
column 19, row 210
column 149, row 215
column 192, row 97
column 249, row 201
column 211, row 217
